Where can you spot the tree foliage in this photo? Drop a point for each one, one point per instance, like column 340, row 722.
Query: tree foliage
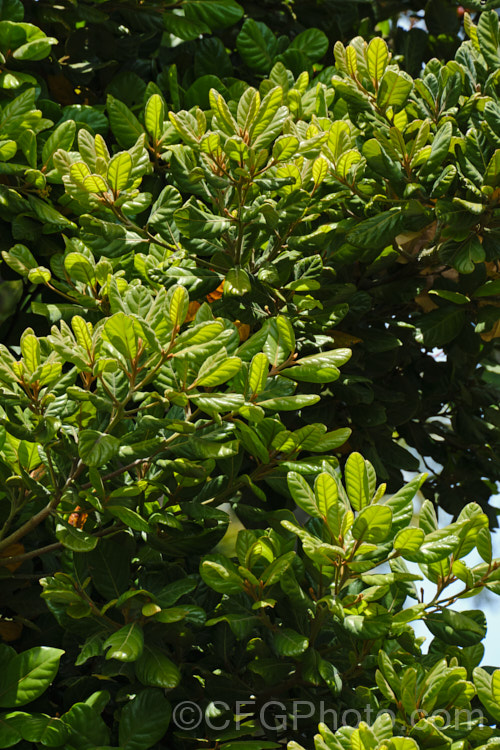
column 239, row 253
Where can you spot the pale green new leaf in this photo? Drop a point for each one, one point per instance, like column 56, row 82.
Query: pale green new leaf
column 119, row 170
column 356, row 481
column 377, row 57
column 154, row 114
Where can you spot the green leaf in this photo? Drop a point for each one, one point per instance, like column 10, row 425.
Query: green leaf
column 25, row 677
column 20, row 259
column 109, row 566
column 489, row 289
column 119, row 170
column 484, row 545
column 347, row 160
column 38, row 49
column 125, row 644
column 286, row 333
column 456, row 628
column 11, row 10
column 96, row 448
column 326, row 493
column 257, row 46
column 154, row 113
column 377, row 57
column 120, row 331
column 312, row 42
column 186, row 29
column 144, row 720
column 277, row 568
column 302, row 494
column 409, row 540
column 259, row 370
column 61, row 138
column 394, row 89
column 488, row 37
column 155, row 669
column 178, row 303
column 221, row 574
column 378, row 231
column 440, row 148
column 39, row 275
column 94, row 183
column 79, row 171
column 87, row 728
column 356, row 481
column 128, row 516
column 237, row 282
column 488, row 690
column 368, row 627
column 74, row 538
column 289, row 403
column 288, row 642
column 217, row 14
column 285, row 147
column 79, row 268
column 7, row 150
column 41, row 728
column 311, row 374
column 492, row 175
column 373, row 524
column 30, row 350
column 124, row 124
column 224, row 372
column 213, row 403
column 194, row 221
column 10, row 734
column 441, row 326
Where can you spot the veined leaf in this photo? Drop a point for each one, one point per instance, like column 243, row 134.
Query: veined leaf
column 126, row 644
column 119, row 170
column 154, row 114
column 259, row 369
column 30, row 350
column 373, row 524
column 26, row 676
column 288, row 642
column 326, row 493
column 96, row 448
column 144, row 720
column 377, row 57
column 94, row 183
column 194, row 221
column 257, row 45
column 356, row 480
column 178, row 303
column 303, row 494
column 222, row 374
column 394, row 89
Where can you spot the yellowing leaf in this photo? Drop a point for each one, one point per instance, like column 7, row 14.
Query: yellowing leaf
column 13, row 550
